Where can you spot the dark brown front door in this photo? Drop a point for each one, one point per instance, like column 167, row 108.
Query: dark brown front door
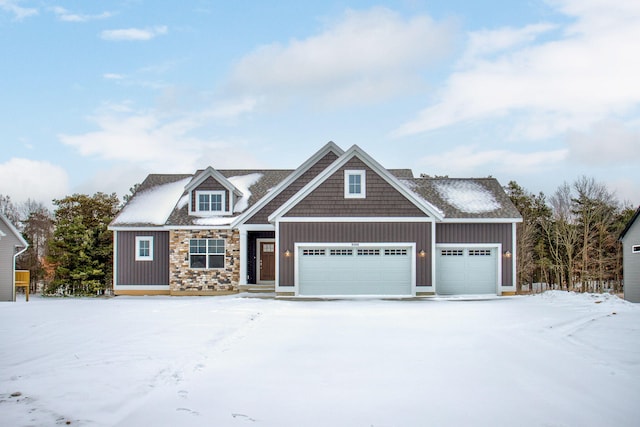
column 267, row 261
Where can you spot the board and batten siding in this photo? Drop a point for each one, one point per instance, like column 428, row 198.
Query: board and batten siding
column 382, row 200
column 7, row 251
column 480, row 233
column 631, row 263
column 261, row 217
column 132, row 272
column 364, row 232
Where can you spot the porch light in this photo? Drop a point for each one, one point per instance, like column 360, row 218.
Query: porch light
column 287, row 253
column 507, row 254
column 422, row 253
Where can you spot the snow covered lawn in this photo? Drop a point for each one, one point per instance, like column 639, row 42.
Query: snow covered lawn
column 555, row 359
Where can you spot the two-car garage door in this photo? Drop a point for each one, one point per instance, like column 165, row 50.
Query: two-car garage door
column 341, row 270
column 466, row 270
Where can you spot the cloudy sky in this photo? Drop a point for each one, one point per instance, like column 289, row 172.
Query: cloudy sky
column 95, row 95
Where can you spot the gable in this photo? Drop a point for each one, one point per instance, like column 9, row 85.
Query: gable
column 10, row 236
column 628, row 229
column 261, row 217
column 381, row 200
column 210, row 184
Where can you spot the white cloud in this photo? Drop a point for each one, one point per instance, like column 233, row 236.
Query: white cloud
column 584, row 72
column 469, row 161
column 607, row 143
column 364, row 56
column 24, row 179
column 113, row 76
column 163, row 143
column 19, row 12
column 64, row 15
column 139, row 34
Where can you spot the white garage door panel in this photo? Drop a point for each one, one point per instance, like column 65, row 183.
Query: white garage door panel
column 466, row 271
column 368, row 271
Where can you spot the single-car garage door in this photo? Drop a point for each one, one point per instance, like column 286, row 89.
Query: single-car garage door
column 466, row 271
column 355, row 270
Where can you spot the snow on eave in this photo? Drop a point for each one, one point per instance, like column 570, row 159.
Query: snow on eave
column 152, row 206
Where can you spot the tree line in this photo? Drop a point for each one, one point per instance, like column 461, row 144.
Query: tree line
column 70, row 249
column 569, row 240
column 566, row 241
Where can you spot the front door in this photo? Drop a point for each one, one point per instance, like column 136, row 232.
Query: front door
column 267, row 267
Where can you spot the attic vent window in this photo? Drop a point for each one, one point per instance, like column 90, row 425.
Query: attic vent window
column 354, row 184
column 210, row 201
column 635, row 249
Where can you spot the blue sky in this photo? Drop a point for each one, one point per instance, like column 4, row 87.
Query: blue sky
column 96, row 95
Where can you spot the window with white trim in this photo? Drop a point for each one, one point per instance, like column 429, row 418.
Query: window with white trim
column 144, row 248
column 206, row 253
column 355, row 184
column 635, row 249
column 210, row 201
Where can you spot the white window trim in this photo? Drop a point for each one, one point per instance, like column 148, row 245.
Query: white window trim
column 209, row 192
column 635, row 249
column 363, row 184
column 207, row 253
column 144, row 239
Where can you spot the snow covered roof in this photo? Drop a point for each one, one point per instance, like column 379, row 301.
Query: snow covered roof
column 253, row 184
column 153, row 202
column 163, row 200
column 465, row 197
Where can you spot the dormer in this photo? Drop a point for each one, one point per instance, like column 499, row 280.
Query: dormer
column 211, row 194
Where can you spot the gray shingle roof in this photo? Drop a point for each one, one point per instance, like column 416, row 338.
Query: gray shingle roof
column 465, row 197
column 455, row 197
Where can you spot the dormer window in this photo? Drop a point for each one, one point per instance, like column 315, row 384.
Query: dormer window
column 210, row 201
column 355, row 184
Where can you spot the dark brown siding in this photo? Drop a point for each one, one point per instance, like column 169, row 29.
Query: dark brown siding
column 132, row 272
column 261, row 216
column 210, row 184
column 382, row 200
column 359, row 232
column 480, row 233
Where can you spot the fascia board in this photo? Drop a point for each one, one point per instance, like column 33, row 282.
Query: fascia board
column 329, row 147
column 482, row 220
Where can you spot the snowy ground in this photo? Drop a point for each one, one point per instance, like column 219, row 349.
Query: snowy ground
column 555, row 359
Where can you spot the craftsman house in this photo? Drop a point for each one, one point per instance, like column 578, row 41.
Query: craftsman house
column 630, row 238
column 340, row 224
column 12, row 244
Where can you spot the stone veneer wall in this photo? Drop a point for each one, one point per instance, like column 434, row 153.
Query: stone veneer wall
column 186, row 280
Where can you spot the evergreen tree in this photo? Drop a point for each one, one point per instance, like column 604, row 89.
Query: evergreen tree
column 81, row 248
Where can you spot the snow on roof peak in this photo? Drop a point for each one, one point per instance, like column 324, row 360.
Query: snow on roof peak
column 153, row 206
column 467, row 196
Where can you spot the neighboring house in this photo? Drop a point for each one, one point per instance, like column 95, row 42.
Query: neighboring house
column 340, row 224
column 630, row 238
column 12, row 244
